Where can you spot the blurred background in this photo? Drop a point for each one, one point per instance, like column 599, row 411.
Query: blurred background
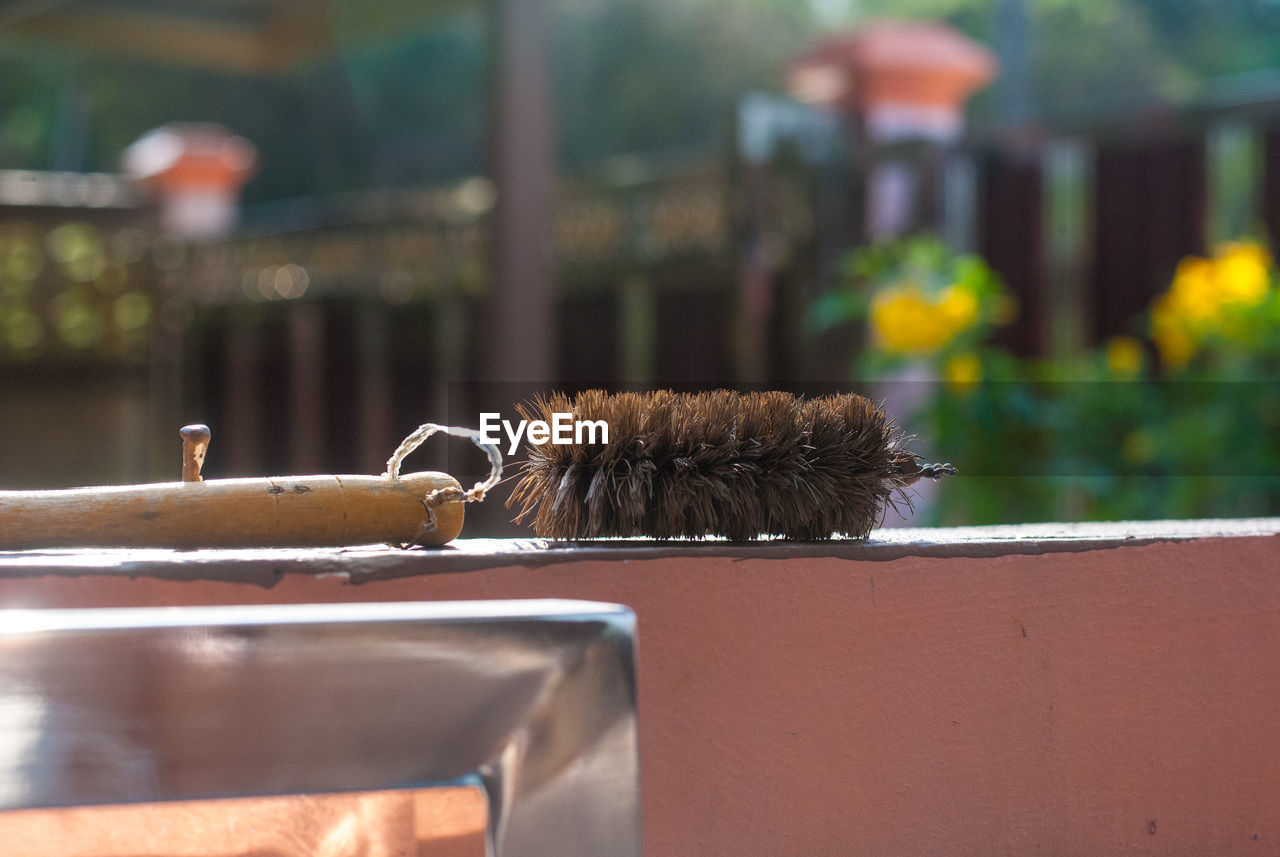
column 1037, row 230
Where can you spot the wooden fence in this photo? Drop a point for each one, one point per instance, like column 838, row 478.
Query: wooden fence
column 319, row 334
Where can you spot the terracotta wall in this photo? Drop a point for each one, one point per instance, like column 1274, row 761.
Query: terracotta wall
column 1096, row 701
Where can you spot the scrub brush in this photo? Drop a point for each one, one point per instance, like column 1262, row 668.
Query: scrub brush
column 738, row 465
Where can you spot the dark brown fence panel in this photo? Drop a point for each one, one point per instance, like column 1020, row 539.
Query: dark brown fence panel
column 1150, row 210
column 587, row 340
column 693, row 338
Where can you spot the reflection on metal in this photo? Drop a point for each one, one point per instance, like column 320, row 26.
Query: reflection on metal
column 533, row 700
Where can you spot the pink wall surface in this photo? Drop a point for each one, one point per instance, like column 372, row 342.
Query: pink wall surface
column 1118, row 700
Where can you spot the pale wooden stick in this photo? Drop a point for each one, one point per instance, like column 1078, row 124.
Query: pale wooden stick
column 293, row 511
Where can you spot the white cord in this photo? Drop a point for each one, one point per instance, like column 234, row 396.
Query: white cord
column 424, row 431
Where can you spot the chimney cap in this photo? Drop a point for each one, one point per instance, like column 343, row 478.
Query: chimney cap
column 190, row 154
column 886, row 60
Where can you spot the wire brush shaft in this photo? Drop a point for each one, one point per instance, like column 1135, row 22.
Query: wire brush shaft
column 739, row 465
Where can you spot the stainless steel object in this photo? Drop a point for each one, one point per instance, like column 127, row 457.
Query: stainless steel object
column 534, row 701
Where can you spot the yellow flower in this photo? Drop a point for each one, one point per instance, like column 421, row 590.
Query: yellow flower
column 963, row 372
column 1171, row 328
column 1240, row 273
column 1205, row 298
column 1124, row 356
column 960, row 306
column 904, row 322
column 1194, row 293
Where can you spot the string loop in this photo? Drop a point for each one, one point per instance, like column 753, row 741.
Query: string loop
column 445, row 495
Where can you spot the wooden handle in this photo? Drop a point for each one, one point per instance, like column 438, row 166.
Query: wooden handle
column 291, row 511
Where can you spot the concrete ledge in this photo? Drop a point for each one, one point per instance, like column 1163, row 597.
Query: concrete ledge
column 379, row 562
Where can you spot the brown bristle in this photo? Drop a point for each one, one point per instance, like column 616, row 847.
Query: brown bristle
column 739, row 465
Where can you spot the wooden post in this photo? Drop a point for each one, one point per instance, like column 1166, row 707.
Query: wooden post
column 1234, row 157
column 243, row 402
column 375, row 403
column 165, row 390
column 959, row 201
column 1067, row 175
column 519, row 345
column 637, row 331
column 306, row 374
column 452, row 332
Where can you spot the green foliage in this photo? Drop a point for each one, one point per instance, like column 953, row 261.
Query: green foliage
column 408, row 104
column 646, row 75
column 30, row 87
column 1110, row 436
column 403, row 98
column 1035, row 442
